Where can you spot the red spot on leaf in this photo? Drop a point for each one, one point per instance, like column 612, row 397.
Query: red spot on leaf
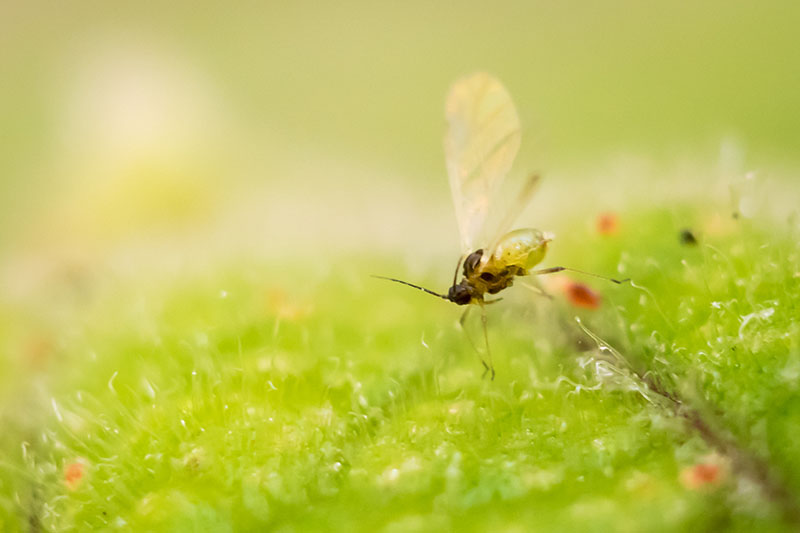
column 581, row 295
column 702, row 475
column 38, row 351
column 607, row 223
column 73, row 474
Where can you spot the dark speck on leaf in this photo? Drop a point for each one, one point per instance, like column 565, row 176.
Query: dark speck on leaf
column 688, row 238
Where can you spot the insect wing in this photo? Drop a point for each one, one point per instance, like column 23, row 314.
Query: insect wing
column 512, row 212
column 482, row 140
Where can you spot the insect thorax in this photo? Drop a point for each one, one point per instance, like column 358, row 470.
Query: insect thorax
column 514, row 254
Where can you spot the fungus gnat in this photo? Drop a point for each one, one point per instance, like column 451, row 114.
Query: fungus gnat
column 482, row 139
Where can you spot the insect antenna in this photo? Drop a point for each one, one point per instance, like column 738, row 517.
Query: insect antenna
column 458, row 268
column 552, row 270
column 415, row 286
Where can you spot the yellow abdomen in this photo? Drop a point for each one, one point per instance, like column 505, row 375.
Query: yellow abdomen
column 522, row 248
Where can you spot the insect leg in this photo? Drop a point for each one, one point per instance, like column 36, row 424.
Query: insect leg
column 461, row 322
column 490, row 367
column 464, row 316
column 553, row 270
column 536, row 289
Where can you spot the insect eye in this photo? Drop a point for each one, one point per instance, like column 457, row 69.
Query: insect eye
column 472, row 261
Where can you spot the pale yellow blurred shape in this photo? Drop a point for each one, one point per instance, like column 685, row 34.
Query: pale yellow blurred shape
column 137, row 144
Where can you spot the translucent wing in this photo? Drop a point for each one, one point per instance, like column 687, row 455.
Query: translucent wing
column 482, row 139
column 520, row 201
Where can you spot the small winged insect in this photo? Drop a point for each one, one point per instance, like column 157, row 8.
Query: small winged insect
column 482, row 139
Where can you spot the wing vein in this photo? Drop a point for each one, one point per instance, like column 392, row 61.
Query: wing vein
column 482, row 140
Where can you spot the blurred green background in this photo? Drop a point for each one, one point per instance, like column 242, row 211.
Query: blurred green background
column 287, row 126
column 193, row 197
